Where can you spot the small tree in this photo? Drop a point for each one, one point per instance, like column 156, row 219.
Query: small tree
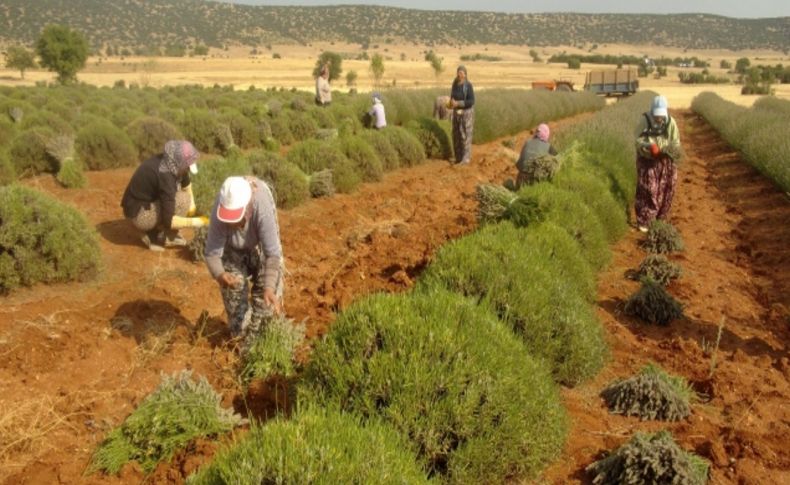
column 435, row 62
column 377, row 68
column 331, row 59
column 351, row 78
column 19, row 58
column 574, row 63
column 725, row 64
column 741, row 65
column 63, row 51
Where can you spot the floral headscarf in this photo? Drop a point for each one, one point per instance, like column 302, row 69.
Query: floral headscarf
column 179, row 155
column 543, row 132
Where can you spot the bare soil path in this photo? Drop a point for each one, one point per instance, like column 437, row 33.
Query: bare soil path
column 76, row 359
column 736, row 270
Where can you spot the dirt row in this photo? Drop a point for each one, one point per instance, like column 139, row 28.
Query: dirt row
column 76, row 359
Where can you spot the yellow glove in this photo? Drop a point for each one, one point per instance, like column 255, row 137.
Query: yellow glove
column 179, row 222
column 192, row 207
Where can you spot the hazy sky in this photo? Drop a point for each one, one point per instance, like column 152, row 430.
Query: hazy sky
column 729, row 8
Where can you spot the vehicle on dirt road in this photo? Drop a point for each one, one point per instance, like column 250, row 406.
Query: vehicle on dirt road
column 612, row 82
column 554, row 85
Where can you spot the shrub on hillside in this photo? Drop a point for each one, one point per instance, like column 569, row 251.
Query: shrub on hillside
column 322, row 117
column 49, row 120
column 314, row 446
column 7, row 171
column 102, row 145
column 7, row 132
column 653, row 304
column 322, row 184
column 43, row 240
column 663, row 238
column 208, row 180
column 538, row 282
column 448, row 376
column 178, row 411
column 650, row 458
column 149, row 135
column 287, row 181
column 363, row 156
column 432, row 136
column 659, row 269
column 409, row 148
column 70, row 171
column 273, row 351
column 28, row 152
column 651, row 394
column 381, row 144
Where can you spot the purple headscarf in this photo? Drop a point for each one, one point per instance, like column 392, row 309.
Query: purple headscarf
column 543, row 132
column 179, row 155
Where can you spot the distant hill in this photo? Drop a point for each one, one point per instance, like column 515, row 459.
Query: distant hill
column 155, row 24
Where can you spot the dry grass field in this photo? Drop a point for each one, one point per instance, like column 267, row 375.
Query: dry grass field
column 404, row 67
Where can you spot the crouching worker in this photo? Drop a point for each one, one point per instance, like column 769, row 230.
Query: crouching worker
column 159, row 199
column 244, row 254
column 534, row 149
column 376, row 113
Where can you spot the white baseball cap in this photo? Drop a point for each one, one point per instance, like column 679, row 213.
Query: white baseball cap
column 234, row 195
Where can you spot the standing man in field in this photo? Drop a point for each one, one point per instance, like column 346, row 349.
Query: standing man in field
column 244, row 255
column 657, row 149
column 323, row 91
column 462, row 101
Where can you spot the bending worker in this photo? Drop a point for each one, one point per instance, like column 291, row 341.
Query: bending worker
column 244, row 254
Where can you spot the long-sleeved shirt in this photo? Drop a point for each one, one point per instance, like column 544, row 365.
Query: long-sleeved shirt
column 323, row 91
column 533, row 148
column 261, row 228
column 464, row 94
column 377, row 111
column 667, row 137
column 149, row 184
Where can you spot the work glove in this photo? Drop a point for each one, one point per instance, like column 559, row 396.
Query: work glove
column 179, row 222
column 654, row 150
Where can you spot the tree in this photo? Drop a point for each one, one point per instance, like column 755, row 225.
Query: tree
column 377, row 67
column 63, row 51
column 19, row 58
column 741, row 65
column 333, row 60
column 436, row 63
column 724, row 64
column 351, row 78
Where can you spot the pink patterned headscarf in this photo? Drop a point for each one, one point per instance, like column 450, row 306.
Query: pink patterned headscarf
column 543, row 132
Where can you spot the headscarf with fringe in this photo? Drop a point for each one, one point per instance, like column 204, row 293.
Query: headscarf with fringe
column 178, row 156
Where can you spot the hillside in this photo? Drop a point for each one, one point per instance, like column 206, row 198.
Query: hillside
column 147, row 26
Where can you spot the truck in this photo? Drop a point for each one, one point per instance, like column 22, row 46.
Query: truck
column 612, row 82
column 554, row 85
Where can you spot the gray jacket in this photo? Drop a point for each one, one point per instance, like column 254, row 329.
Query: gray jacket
column 261, row 229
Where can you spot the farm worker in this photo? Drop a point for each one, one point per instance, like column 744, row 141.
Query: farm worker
column 657, row 149
column 323, row 91
column 536, row 147
column 377, row 112
column 462, row 101
column 243, row 249
column 158, row 199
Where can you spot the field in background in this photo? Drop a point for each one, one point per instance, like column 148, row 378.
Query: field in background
column 516, row 69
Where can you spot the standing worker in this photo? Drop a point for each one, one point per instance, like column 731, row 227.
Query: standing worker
column 323, row 91
column 377, row 112
column 242, row 247
column 657, row 149
column 536, row 147
column 462, row 101
column 159, row 200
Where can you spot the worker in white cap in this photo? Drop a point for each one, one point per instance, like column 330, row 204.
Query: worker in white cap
column 657, row 151
column 244, row 255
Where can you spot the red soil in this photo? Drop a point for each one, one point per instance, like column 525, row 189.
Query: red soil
column 75, row 359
